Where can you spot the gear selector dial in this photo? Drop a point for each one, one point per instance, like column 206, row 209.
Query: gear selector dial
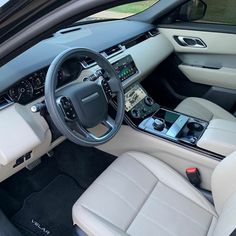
column 159, row 124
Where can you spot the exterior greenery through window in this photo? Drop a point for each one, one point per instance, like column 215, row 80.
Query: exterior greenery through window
column 219, row 11
column 123, row 11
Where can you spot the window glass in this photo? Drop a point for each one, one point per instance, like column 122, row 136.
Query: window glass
column 122, row 11
column 220, row 11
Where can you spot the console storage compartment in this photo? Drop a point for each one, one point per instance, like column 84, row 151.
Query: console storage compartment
column 219, row 137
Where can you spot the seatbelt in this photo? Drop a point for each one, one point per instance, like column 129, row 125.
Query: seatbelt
column 194, row 177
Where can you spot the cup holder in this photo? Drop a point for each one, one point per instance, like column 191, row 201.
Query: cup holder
column 194, row 126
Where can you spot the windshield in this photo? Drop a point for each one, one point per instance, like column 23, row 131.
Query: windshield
column 2, row 2
column 122, row 11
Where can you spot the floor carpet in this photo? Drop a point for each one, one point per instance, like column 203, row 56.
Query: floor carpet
column 48, row 212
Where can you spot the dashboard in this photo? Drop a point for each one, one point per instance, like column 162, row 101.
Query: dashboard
column 134, row 52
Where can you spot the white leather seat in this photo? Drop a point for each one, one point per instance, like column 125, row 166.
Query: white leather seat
column 203, row 109
column 140, row 195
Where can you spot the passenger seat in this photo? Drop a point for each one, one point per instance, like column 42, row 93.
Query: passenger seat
column 203, row 109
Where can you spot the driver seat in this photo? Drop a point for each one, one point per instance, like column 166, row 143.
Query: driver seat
column 140, row 195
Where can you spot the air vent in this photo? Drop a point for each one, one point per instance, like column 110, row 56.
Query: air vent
column 134, row 41
column 5, row 101
column 113, row 51
column 153, row 32
column 69, row 30
column 87, row 62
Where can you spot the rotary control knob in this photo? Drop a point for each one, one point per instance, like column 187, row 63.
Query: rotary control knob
column 135, row 113
column 149, row 101
column 159, row 124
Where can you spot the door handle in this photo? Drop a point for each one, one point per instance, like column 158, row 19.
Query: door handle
column 193, row 42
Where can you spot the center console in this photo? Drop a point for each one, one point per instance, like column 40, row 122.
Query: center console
column 148, row 116
column 144, row 114
column 175, row 126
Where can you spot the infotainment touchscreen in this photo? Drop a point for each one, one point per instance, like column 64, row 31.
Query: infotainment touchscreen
column 133, row 97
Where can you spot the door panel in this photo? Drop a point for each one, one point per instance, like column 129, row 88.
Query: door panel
column 205, row 65
column 217, row 43
column 213, row 66
column 224, row 77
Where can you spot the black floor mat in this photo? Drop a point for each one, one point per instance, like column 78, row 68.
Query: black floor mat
column 49, row 212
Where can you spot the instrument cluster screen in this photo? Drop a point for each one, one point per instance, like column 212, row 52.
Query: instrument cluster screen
column 133, row 97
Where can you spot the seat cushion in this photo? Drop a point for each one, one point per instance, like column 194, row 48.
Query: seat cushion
column 140, row 195
column 203, row 109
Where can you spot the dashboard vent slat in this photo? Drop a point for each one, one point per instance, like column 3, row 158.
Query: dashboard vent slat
column 153, row 32
column 134, row 41
column 5, row 101
column 87, row 62
column 112, row 51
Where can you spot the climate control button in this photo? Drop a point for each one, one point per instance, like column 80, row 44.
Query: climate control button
column 135, row 113
column 149, row 101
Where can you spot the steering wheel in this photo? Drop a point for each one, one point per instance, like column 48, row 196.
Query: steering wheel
column 77, row 107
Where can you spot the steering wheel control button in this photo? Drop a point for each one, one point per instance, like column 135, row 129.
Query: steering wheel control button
column 107, row 89
column 68, row 108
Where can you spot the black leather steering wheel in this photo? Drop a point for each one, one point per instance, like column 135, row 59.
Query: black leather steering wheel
column 78, row 107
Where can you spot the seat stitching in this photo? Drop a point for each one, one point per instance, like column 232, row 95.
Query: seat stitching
column 190, row 199
column 180, row 212
column 145, row 167
column 102, row 218
column 210, row 225
column 181, row 179
column 118, row 195
column 156, row 223
column 145, row 200
column 130, row 179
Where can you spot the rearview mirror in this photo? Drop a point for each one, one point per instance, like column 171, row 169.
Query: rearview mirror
column 192, row 10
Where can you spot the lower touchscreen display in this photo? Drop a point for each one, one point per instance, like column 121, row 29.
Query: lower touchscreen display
column 133, row 97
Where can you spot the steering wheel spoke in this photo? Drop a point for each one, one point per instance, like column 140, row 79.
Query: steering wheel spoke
column 114, row 85
column 109, row 123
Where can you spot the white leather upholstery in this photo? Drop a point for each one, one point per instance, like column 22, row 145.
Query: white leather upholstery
column 140, row 195
column 203, row 109
column 219, row 137
column 224, row 193
column 223, row 181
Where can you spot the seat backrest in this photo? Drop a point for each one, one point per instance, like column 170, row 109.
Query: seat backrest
column 224, row 195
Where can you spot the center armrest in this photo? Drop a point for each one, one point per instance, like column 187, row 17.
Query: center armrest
column 219, row 137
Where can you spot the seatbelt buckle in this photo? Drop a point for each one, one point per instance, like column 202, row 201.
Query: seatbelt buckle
column 194, row 176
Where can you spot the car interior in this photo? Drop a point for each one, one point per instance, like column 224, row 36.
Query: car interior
column 121, row 126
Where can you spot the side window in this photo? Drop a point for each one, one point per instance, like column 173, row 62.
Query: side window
column 220, row 11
